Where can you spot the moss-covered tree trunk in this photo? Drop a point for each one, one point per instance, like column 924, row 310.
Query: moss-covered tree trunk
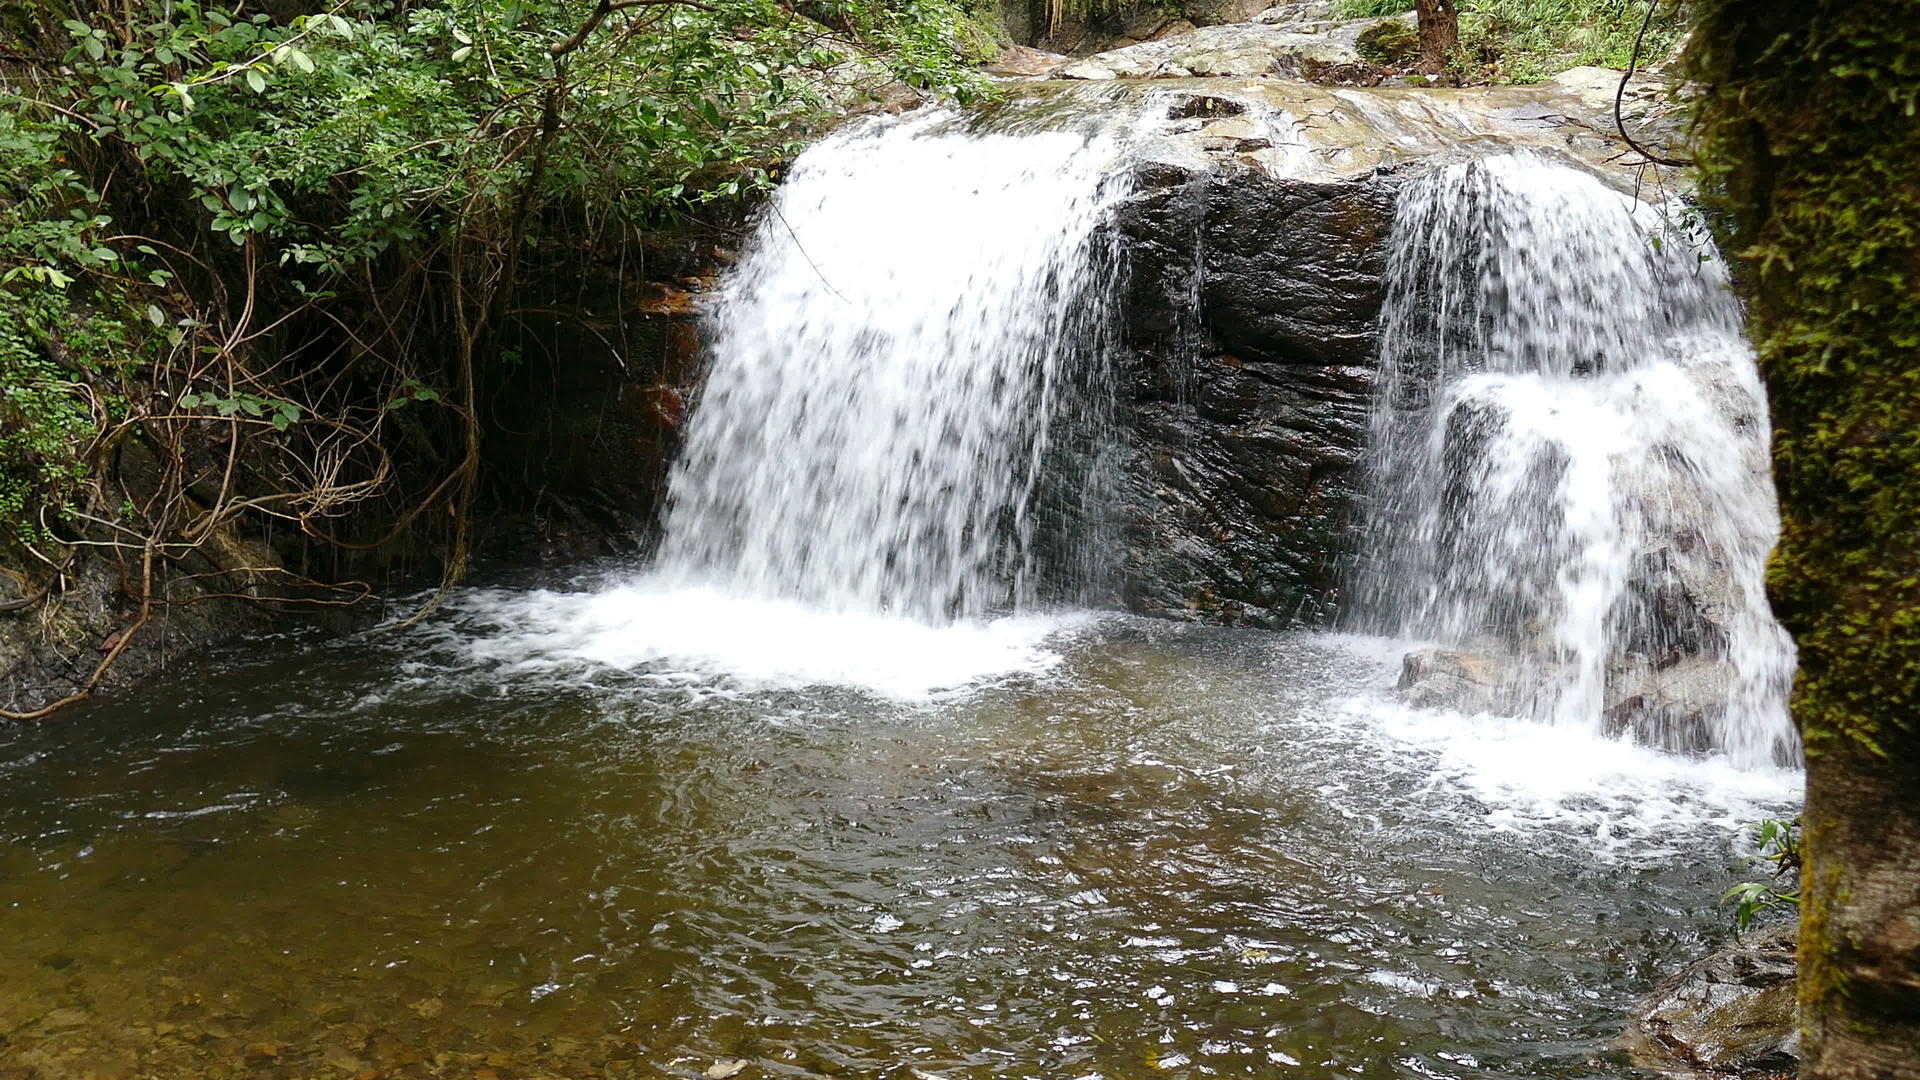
column 1810, row 138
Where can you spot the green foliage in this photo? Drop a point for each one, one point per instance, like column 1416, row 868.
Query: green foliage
column 1777, row 847
column 58, row 332
column 1524, row 41
column 422, row 118
column 351, row 193
column 1371, row 9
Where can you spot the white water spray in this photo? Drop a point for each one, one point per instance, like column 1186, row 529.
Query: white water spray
column 895, row 363
column 1570, row 459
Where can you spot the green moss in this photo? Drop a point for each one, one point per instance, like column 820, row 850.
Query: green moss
column 1389, row 41
column 1810, row 147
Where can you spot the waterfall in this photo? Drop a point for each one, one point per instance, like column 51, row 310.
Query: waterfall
column 904, row 406
column 1571, row 491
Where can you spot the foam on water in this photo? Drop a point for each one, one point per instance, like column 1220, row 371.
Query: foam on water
column 1607, row 796
column 672, row 633
column 907, row 382
column 1570, row 461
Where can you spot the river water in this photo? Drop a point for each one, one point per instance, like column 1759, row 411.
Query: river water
column 802, row 800
column 1058, row 846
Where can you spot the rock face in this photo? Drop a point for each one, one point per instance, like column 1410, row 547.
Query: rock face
column 1249, row 320
column 1256, row 244
column 1729, row 1014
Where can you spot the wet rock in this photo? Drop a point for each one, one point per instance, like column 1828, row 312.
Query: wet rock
column 1673, row 707
column 1235, row 135
column 1239, row 49
column 1217, row 12
column 1450, row 679
column 1302, row 16
column 1255, row 246
column 1020, row 60
column 1731, row 1013
column 1249, row 317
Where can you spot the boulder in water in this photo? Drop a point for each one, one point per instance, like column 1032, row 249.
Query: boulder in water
column 1452, row 679
column 1674, row 707
column 1731, row 1013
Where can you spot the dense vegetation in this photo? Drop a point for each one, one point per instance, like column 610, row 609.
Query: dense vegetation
column 253, row 261
column 1521, row 41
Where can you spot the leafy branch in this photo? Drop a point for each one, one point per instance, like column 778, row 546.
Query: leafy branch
column 1777, row 843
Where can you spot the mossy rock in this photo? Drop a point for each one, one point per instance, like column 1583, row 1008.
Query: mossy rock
column 1389, row 41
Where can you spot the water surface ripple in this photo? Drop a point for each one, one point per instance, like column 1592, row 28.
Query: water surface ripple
column 1086, row 846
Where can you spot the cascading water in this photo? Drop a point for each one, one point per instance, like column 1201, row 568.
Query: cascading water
column 901, row 371
column 1569, row 453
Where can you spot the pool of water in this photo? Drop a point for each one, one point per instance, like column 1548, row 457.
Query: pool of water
column 640, row 830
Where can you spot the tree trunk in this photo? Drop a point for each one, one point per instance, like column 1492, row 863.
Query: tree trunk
column 1439, row 33
column 1809, row 142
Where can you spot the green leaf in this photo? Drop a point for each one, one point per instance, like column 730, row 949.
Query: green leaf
column 189, row 401
column 301, row 60
column 280, row 421
column 155, row 315
column 462, row 53
column 256, row 80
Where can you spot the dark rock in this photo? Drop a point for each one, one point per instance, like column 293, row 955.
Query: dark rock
column 1731, row 1013
column 1249, row 326
column 1204, row 106
column 1293, row 270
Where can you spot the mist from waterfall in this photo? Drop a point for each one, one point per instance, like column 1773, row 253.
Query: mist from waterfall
column 908, row 394
column 1569, row 462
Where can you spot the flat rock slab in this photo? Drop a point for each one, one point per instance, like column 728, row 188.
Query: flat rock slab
column 1021, row 61
column 1232, row 50
column 1338, row 134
